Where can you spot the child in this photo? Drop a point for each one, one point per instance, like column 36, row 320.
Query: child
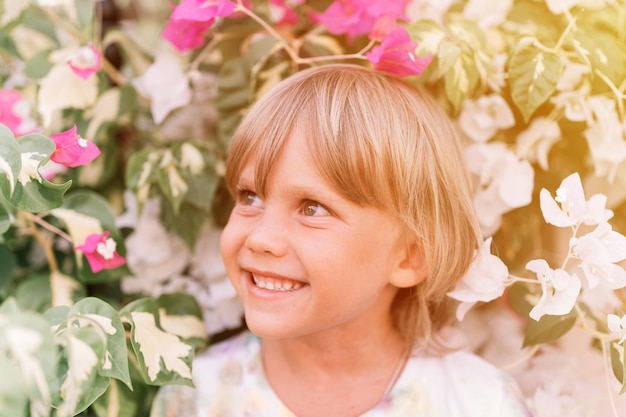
column 353, row 219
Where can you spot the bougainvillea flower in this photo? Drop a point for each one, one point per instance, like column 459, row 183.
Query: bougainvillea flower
column 203, row 10
column 396, row 55
column 559, row 290
column 485, row 280
column 598, row 251
column 72, row 150
column 357, row 17
column 186, row 35
column 383, row 26
column 282, row 12
column 569, row 206
column 86, row 61
column 14, row 110
column 617, row 326
column 100, row 251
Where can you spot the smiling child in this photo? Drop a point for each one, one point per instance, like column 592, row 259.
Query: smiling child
column 353, row 219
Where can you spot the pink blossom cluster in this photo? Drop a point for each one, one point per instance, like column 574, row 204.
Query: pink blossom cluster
column 86, row 61
column 101, row 252
column 191, row 20
column 379, row 18
column 13, row 112
column 72, row 150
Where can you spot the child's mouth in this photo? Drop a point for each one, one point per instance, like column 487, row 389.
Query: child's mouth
column 275, row 284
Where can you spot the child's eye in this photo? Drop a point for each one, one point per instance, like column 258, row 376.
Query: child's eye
column 314, row 209
column 248, row 198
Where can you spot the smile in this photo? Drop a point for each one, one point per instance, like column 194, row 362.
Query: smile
column 275, row 284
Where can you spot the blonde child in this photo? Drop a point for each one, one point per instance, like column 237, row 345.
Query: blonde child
column 353, row 219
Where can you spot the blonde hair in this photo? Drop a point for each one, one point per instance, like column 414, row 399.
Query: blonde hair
column 380, row 142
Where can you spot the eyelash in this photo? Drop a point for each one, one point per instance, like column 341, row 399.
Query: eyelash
column 309, row 203
column 243, row 194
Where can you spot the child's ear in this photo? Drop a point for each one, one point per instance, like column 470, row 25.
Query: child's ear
column 411, row 268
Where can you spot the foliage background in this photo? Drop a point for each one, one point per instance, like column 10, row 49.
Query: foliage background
column 538, row 88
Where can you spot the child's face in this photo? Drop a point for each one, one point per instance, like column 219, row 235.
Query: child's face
column 304, row 259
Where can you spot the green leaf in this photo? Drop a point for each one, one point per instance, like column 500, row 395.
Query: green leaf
column 162, row 356
column 10, row 161
column 618, row 363
column 57, row 315
column 461, row 80
column 14, row 390
column 548, row 328
column 81, row 385
column 604, row 52
column 180, row 314
column 85, row 11
column 32, row 192
column 173, row 186
column 28, row 342
column 533, row 76
column 187, row 224
column 38, row 65
column 34, row 293
column 94, row 312
column 93, row 205
column 139, row 173
column 5, row 220
column 119, row 401
column 7, row 265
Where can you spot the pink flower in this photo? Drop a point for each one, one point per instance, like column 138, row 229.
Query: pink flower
column 186, row 35
column 357, row 17
column 86, row 61
column 100, row 251
column 203, row 10
column 383, row 26
column 396, row 55
column 282, row 12
column 72, row 150
column 14, row 112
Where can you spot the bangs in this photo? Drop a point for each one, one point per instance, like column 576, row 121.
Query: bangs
column 351, row 150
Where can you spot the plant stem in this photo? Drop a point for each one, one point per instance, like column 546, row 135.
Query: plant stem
column 290, row 49
column 47, row 226
column 45, row 243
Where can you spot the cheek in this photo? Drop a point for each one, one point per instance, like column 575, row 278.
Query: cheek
column 230, row 241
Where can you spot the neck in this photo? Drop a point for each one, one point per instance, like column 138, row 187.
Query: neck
column 336, row 351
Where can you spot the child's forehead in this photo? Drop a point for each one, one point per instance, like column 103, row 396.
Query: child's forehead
column 295, row 151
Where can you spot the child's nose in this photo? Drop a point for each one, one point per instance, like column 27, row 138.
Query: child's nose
column 268, row 235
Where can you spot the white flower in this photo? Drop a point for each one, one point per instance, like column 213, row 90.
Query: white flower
column 617, row 326
column 598, row 251
column 154, row 254
column 559, row 289
column 571, row 76
column 165, row 83
column 485, row 280
column 574, row 103
column 481, row 119
column 504, row 182
column 535, row 142
column 605, row 137
column 573, row 208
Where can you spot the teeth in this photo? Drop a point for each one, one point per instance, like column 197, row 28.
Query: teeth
column 274, row 284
